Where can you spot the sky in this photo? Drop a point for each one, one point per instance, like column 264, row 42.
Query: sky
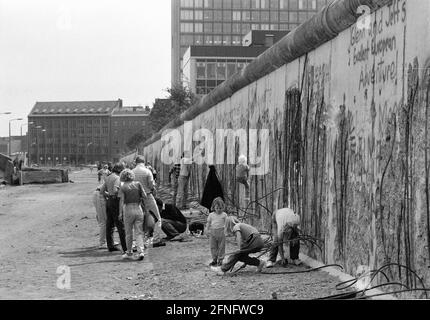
column 78, row 50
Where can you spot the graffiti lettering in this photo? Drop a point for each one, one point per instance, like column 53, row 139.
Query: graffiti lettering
column 381, row 74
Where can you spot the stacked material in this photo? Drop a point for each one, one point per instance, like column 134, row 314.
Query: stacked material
column 31, row 175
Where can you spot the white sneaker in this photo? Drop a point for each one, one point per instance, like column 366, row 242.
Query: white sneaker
column 127, row 256
column 261, row 266
column 297, row 262
column 269, row 264
column 218, row 271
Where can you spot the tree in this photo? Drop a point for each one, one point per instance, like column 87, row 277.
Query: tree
column 164, row 111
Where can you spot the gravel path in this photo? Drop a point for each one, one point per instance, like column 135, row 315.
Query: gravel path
column 46, row 227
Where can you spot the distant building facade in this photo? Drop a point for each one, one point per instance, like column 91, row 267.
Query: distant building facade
column 225, row 22
column 18, row 144
column 206, row 67
column 77, row 132
column 126, row 122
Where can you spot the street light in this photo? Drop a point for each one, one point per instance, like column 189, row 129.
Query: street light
column 44, row 143
column 86, row 152
column 28, row 141
column 37, row 143
column 10, row 145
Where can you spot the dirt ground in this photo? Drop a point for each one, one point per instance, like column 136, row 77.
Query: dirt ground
column 44, row 227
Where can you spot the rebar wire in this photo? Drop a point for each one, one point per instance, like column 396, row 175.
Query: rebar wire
column 401, row 266
column 394, row 292
column 353, row 295
column 351, row 282
column 305, row 271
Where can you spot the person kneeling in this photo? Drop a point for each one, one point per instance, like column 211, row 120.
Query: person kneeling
column 248, row 240
column 285, row 228
column 173, row 222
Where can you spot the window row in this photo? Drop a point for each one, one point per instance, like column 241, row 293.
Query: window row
column 234, row 28
column 218, row 70
column 230, row 16
column 254, row 4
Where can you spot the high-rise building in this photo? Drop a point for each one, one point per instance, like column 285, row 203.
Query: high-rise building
column 226, row 22
column 206, row 67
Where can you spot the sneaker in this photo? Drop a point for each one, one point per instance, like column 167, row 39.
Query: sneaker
column 141, row 256
column 159, row 244
column 218, row 271
column 260, row 266
column 127, row 256
column 213, row 263
column 113, row 249
column 269, row 264
column 297, row 262
column 177, row 238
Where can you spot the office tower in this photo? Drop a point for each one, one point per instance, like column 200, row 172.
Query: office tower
column 226, row 22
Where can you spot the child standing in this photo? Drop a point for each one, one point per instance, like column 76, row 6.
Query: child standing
column 215, row 228
column 242, row 172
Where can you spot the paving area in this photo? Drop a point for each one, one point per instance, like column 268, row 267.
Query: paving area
column 47, row 231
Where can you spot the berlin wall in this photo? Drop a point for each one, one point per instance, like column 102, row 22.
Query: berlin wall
column 348, row 149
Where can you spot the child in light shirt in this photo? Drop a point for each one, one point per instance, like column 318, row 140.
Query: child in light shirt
column 215, row 228
column 242, row 173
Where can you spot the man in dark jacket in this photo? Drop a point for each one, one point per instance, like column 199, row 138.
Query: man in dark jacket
column 173, row 222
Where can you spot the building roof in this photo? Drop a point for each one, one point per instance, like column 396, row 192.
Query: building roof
column 131, row 111
column 225, row 51
column 75, row 107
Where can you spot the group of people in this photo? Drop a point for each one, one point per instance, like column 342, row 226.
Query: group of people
column 219, row 224
column 125, row 200
column 131, row 206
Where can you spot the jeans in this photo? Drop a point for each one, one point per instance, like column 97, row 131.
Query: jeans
column 252, row 245
column 294, row 247
column 112, row 220
column 217, row 243
column 175, row 188
column 183, row 192
column 133, row 219
column 172, row 228
column 245, row 182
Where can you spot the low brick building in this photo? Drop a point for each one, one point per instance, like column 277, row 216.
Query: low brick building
column 81, row 132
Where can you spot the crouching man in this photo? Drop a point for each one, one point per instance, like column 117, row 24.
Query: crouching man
column 173, row 224
column 285, row 228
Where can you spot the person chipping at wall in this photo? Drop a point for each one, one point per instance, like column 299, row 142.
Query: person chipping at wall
column 248, row 240
column 242, row 174
column 285, row 228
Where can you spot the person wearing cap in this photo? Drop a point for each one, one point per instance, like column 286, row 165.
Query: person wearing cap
column 285, row 228
column 152, row 214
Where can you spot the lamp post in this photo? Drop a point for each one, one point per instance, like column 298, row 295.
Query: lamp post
column 37, row 143
column 28, row 152
column 44, row 143
column 10, row 145
column 86, row 152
